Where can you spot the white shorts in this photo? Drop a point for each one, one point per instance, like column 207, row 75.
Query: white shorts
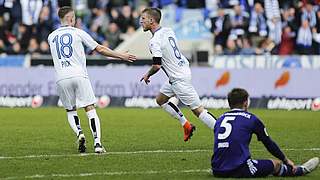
column 184, row 91
column 75, row 92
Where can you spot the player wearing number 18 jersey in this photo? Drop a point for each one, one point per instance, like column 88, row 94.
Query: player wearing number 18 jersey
column 232, row 136
column 73, row 85
column 166, row 55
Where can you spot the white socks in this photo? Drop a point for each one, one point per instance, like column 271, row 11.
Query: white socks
column 207, row 118
column 94, row 123
column 74, row 122
column 174, row 111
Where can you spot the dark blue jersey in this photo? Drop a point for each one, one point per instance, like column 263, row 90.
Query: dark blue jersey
column 232, row 136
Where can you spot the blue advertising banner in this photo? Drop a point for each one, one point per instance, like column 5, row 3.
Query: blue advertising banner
column 12, row 60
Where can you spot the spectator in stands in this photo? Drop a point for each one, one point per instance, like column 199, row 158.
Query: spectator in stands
column 53, row 13
column 220, row 28
column 100, row 20
column 23, row 35
column 265, row 47
column 287, row 44
column 309, row 14
column 112, row 35
column 33, row 48
column 239, row 22
column 30, row 11
column 288, row 19
column 304, row 38
column 231, row 48
column 16, row 49
column 273, row 20
column 128, row 19
column 44, row 47
column 15, row 15
column 116, row 17
column 136, row 16
column 258, row 24
column 246, row 47
column 45, row 24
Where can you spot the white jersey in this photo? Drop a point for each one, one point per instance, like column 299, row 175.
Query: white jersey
column 67, row 51
column 164, row 44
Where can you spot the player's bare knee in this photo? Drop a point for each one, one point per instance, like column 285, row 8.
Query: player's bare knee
column 159, row 101
column 276, row 165
column 89, row 107
column 198, row 111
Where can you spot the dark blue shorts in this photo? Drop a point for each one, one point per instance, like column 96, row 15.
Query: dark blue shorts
column 252, row 168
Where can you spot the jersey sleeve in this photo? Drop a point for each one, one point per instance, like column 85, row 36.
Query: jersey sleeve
column 155, row 48
column 87, row 40
column 260, row 130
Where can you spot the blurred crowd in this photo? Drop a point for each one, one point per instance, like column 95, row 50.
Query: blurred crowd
column 26, row 24
column 280, row 27
column 239, row 26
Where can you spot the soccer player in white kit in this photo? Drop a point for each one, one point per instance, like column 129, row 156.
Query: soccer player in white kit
column 73, row 85
column 166, row 55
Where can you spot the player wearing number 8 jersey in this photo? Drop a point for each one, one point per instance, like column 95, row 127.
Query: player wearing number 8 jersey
column 73, row 85
column 232, row 136
column 166, row 55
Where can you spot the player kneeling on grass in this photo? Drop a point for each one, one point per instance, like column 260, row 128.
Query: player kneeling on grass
column 232, row 135
column 73, row 85
column 166, row 56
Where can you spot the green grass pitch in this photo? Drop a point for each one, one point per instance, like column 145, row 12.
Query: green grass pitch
column 141, row 144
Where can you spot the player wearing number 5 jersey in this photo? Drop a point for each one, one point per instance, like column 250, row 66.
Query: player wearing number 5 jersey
column 232, row 136
column 166, row 55
column 73, row 85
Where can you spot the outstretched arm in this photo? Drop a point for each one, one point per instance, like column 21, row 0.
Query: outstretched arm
column 93, row 45
column 273, row 148
column 110, row 53
column 270, row 145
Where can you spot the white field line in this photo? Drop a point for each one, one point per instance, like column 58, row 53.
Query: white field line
column 133, row 152
column 116, row 173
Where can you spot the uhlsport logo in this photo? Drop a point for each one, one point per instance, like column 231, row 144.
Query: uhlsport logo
column 315, row 106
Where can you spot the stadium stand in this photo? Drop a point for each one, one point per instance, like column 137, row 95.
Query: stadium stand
column 248, row 27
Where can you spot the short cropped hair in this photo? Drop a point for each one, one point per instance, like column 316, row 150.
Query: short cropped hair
column 154, row 13
column 236, row 97
column 63, row 11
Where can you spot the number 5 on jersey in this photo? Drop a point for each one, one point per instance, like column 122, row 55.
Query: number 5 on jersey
column 227, row 126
